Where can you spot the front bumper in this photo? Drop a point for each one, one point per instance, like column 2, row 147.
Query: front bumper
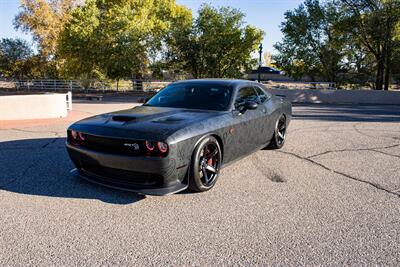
column 146, row 175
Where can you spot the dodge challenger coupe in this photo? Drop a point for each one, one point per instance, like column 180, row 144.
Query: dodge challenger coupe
column 180, row 138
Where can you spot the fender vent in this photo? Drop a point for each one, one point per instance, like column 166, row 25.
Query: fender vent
column 169, row 120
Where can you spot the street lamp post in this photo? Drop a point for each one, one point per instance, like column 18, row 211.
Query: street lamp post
column 260, row 62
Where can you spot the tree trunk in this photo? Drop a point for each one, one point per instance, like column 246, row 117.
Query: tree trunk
column 379, row 74
column 387, row 68
column 387, row 76
column 117, row 84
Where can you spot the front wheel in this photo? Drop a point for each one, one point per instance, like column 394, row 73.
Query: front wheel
column 278, row 140
column 205, row 165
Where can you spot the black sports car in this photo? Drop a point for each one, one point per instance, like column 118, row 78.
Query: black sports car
column 180, row 138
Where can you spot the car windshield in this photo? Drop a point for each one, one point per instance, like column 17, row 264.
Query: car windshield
column 193, row 96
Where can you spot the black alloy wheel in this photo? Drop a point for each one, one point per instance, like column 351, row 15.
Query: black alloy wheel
column 278, row 140
column 205, row 166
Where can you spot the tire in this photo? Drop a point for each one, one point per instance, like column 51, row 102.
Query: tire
column 205, row 165
column 278, row 140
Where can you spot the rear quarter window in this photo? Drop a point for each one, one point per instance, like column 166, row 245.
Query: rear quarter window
column 263, row 94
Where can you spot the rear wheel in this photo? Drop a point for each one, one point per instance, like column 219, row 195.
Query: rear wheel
column 278, row 140
column 205, row 165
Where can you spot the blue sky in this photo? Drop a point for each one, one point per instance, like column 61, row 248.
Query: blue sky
column 264, row 14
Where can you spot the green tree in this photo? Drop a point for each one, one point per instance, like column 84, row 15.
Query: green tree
column 312, row 44
column 396, row 55
column 45, row 20
column 116, row 38
column 217, row 44
column 373, row 24
column 14, row 56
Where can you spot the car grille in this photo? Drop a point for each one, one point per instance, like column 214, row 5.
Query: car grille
column 115, row 146
column 121, row 177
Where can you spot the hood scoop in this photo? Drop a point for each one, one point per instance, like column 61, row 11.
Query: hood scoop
column 123, row 118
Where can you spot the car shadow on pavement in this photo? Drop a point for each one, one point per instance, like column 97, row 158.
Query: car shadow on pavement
column 42, row 167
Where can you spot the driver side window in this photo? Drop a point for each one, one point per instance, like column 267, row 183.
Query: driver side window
column 245, row 94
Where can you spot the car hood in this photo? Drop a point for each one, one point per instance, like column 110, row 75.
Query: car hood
column 143, row 122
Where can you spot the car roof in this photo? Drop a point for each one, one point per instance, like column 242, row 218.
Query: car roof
column 222, row 82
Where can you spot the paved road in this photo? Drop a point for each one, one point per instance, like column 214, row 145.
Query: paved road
column 331, row 196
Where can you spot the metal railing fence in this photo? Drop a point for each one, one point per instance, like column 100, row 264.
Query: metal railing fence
column 87, row 85
column 135, row 85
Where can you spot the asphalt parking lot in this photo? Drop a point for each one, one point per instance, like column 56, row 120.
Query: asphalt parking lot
column 331, row 196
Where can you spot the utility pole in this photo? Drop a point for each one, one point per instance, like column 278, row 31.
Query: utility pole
column 260, row 62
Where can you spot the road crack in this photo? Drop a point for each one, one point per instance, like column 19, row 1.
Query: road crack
column 385, row 153
column 30, row 131
column 53, row 140
column 360, row 131
column 356, row 149
column 308, row 159
column 3, row 186
column 308, row 128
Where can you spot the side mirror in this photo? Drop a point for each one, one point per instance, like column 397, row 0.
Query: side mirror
column 250, row 105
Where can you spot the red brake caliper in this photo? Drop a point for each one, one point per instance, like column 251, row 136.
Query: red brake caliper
column 209, row 161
